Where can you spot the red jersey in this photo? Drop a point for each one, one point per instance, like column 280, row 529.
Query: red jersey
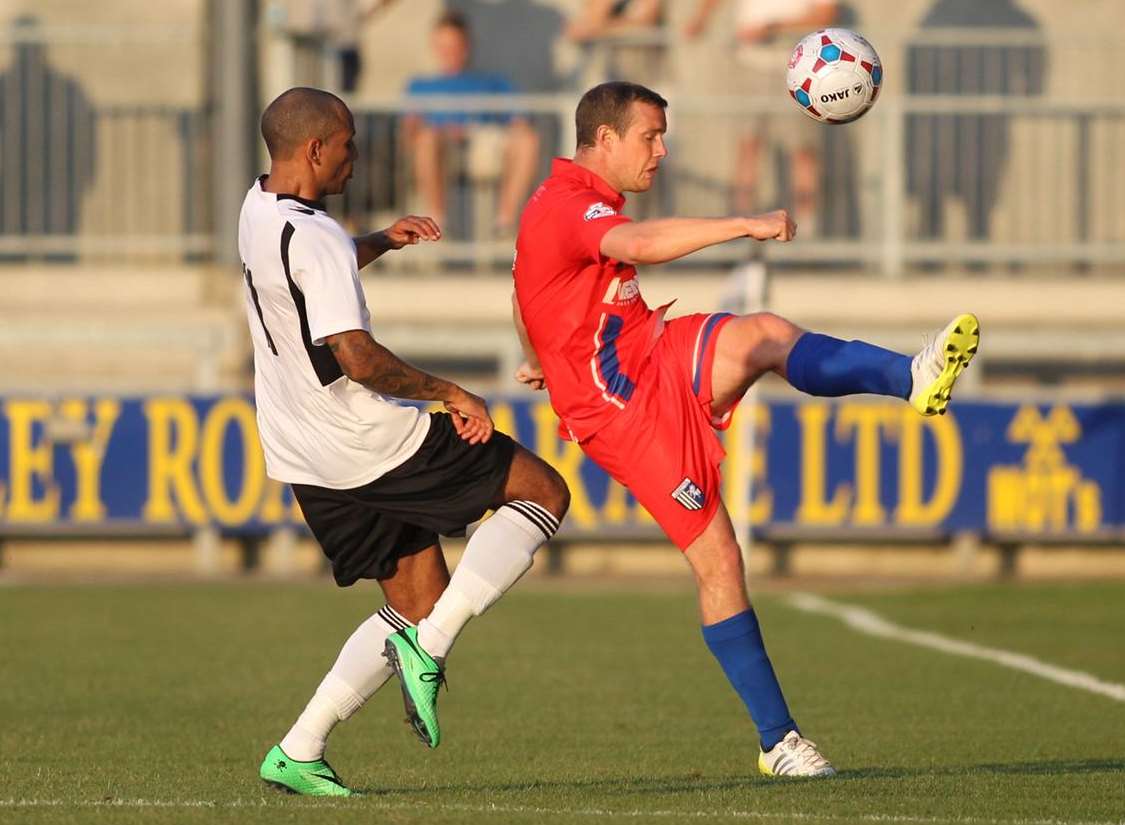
column 583, row 311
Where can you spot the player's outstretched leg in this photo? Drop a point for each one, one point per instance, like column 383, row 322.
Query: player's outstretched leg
column 821, row 365
column 731, row 631
column 313, row 778
column 825, row 366
column 531, row 506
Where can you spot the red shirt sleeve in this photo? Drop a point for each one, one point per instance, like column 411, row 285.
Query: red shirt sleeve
column 583, row 222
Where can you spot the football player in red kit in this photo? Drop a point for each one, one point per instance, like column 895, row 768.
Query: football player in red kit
column 643, row 395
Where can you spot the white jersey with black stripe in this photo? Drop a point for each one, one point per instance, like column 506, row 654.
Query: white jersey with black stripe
column 301, row 285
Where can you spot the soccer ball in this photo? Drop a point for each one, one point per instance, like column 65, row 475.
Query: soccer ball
column 834, row 75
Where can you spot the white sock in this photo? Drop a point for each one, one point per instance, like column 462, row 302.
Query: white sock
column 499, row 552
column 359, row 671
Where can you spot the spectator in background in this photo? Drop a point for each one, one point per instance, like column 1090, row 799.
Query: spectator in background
column 605, row 18
column 631, row 34
column 507, row 143
column 964, row 156
column 766, row 31
column 530, row 53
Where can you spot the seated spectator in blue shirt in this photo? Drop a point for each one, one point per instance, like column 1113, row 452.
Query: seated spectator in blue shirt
column 465, row 83
column 503, row 142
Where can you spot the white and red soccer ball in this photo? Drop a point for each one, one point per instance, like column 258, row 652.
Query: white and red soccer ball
column 834, row 75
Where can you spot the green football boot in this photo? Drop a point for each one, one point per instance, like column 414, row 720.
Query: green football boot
column 307, row 778
column 420, row 676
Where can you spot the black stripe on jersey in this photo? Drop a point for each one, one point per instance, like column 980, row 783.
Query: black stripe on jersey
column 258, row 307
column 323, row 361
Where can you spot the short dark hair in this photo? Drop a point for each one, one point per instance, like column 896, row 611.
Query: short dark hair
column 298, row 114
column 452, row 19
column 608, row 105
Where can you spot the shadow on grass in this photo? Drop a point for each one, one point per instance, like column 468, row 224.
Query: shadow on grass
column 609, row 785
column 698, row 782
column 1054, row 767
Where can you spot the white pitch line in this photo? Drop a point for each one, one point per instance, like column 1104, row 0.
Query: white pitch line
column 369, row 802
column 873, row 624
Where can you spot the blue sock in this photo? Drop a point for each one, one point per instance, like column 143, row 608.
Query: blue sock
column 826, row 366
column 737, row 644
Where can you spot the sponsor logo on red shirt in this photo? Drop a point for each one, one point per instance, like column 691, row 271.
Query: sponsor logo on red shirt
column 598, row 210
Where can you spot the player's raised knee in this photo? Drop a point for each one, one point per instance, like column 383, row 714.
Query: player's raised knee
column 533, row 479
column 775, row 329
column 556, row 493
column 762, row 339
column 754, row 341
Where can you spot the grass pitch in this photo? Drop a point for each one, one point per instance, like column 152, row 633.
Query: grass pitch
column 155, row 703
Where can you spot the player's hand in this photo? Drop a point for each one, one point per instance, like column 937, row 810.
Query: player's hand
column 772, row 226
column 410, row 230
column 471, row 418
column 532, row 376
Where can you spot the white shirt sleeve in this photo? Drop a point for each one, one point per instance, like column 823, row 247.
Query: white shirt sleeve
column 324, row 268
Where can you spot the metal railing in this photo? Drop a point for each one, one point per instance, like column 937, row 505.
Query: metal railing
column 1021, row 181
column 1052, row 191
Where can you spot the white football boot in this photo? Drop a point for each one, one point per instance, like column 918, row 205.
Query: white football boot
column 794, row 756
column 935, row 369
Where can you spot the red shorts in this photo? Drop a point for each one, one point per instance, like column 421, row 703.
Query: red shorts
column 662, row 447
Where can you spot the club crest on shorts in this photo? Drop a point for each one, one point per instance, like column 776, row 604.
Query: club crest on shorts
column 690, row 495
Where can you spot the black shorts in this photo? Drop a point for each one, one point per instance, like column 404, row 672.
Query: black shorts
column 443, row 488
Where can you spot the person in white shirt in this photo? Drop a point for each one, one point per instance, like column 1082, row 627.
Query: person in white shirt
column 377, row 480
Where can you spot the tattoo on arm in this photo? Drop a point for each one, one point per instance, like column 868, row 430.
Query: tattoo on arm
column 368, row 362
column 370, row 247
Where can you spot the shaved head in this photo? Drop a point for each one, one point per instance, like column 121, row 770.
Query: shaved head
column 298, row 115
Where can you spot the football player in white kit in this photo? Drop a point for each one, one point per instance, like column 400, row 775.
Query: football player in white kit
column 377, row 481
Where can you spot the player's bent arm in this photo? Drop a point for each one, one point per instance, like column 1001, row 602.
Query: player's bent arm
column 666, row 239
column 366, row 361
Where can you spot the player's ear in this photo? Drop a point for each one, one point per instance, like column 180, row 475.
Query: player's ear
column 314, row 151
column 605, row 134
